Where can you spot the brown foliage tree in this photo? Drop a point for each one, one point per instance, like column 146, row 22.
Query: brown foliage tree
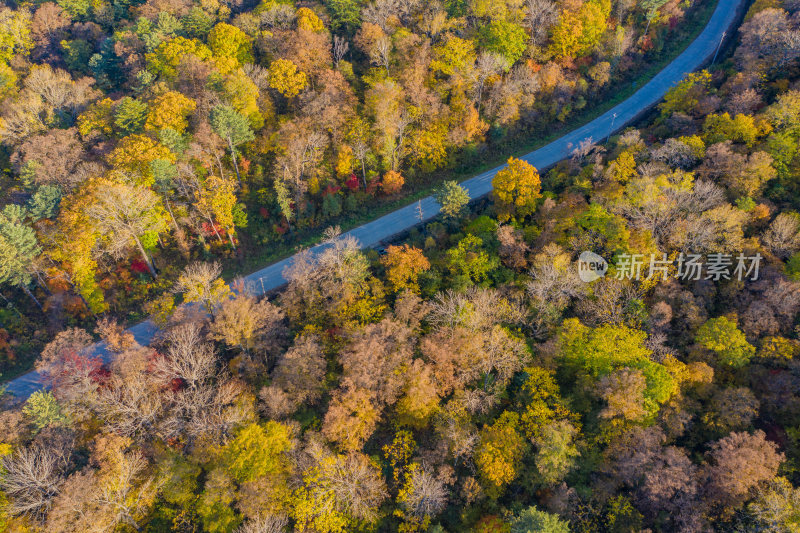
column 351, row 419
column 52, row 156
column 376, row 360
column 736, row 465
column 253, row 326
column 298, row 378
column 33, row 477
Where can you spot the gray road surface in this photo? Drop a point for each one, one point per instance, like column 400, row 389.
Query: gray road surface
column 698, row 54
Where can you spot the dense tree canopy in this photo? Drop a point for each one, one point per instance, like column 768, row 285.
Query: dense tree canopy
column 467, row 375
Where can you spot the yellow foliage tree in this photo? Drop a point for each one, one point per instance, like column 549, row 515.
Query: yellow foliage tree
column 242, row 94
column 285, row 78
column 392, row 182
column 420, row 400
column 168, row 55
column 98, row 117
column 429, row 146
column 340, row 493
column 453, row 55
column 403, row 266
column 170, row 110
column 15, row 34
column 516, row 189
column 500, row 452
column 74, row 247
column 580, row 30
column 623, row 167
column 229, row 41
column 309, row 21
column 217, row 202
column 259, row 450
column 133, row 156
column 344, row 161
column 684, row 97
column 201, row 283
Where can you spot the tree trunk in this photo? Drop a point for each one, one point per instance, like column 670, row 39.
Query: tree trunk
column 76, row 291
column 14, row 307
column 81, row 296
column 27, row 291
column 42, row 285
column 364, row 174
column 219, row 163
column 146, row 258
column 235, row 165
column 214, row 227
column 179, row 235
column 203, row 242
column 394, row 157
column 172, row 215
column 230, row 237
column 131, row 522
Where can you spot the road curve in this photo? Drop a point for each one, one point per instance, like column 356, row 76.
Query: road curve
column 699, row 53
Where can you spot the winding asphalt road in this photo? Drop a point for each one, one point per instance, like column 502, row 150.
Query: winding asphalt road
column 698, row 54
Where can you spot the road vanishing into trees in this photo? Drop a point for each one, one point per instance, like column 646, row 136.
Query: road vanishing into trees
column 698, row 54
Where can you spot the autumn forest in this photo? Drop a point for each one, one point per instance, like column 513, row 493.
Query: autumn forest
column 610, row 344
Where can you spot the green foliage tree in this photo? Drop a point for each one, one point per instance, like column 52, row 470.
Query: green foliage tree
column 470, row 259
column 602, row 350
column 197, row 23
column 533, row 520
column 179, row 479
column 258, row 450
column 650, row 8
column 44, row 202
column 130, row 115
column 43, row 410
column 556, row 452
column 722, row 337
column 504, row 38
column 233, row 127
column 606, row 231
column 453, row 199
column 331, row 205
column 19, row 248
column 77, row 53
column 345, row 15
column 215, row 504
